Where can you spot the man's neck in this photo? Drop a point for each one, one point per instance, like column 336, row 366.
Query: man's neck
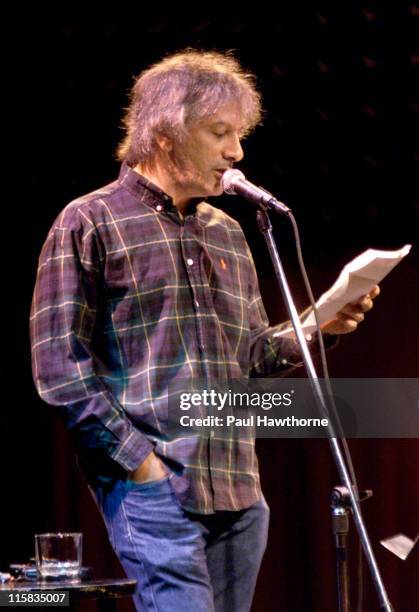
column 166, row 184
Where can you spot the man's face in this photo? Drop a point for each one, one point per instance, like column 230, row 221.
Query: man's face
column 211, row 147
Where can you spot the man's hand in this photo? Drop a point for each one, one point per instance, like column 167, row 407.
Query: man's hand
column 150, row 469
column 351, row 315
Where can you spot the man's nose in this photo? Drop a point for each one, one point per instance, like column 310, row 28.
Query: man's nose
column 233, row 151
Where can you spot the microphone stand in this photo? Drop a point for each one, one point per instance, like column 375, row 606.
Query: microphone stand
column 340, row 504
column 265, row 227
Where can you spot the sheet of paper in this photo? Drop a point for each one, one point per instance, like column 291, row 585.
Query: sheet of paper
column 400, row 545
column 357, row 278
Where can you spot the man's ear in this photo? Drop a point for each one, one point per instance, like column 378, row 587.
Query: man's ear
column 165, row 143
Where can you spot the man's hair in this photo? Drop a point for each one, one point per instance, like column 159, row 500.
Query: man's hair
column 179, row 90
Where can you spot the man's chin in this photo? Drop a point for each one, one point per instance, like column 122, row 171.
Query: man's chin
column 217, row 191
column 210, row 193
column 208, row 190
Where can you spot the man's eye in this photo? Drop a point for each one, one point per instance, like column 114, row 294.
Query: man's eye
column 219, row 134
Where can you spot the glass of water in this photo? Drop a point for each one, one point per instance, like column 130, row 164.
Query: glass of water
column 58, row 556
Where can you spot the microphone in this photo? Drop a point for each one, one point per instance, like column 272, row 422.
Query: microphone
column 235, row 183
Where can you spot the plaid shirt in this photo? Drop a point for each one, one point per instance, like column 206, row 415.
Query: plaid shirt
column 130, row 297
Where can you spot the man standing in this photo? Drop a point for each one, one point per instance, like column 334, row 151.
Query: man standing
column 142, row 284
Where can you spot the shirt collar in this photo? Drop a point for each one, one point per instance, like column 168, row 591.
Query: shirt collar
column 139, row 185
column 151, row 195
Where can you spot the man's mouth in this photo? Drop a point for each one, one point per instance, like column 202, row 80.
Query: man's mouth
column 220, row 171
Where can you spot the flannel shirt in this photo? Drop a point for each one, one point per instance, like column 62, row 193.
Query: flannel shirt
column 129, row 297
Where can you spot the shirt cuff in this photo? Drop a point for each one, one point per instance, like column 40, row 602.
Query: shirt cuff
column 133, row 450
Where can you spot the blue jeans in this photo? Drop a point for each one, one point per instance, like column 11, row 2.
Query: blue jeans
column 184, row 562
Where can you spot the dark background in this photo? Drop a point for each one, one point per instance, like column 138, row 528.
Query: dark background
column 338, row 145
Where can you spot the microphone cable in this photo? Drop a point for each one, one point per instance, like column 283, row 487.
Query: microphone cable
column 332, row 404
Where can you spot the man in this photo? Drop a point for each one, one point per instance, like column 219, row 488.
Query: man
column 142, row 284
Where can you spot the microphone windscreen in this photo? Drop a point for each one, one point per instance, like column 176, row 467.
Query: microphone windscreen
column 229, row 178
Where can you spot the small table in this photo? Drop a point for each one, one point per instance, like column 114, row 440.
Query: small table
column 106, row 592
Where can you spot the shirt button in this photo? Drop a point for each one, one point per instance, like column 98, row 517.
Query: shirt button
column 159, row 207
column 197, row 303
column 309, row 337
column 284, row 361
column 212, row 433
column 189, row 261
column 202, row 347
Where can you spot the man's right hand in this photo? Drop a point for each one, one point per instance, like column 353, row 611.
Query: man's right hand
column 150, row 469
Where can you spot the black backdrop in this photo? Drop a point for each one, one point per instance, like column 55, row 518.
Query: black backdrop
column 338, row 145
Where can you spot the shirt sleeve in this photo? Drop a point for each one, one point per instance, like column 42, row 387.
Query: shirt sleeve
column 62, row 324
column 270, row 355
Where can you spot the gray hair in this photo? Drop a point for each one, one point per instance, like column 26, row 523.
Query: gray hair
column 179, row 90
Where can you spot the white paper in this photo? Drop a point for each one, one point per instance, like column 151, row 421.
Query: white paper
column 357, row 278
column 400, row 545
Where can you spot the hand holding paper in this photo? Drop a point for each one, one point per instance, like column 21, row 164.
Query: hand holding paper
column 350, row 315
column 358, row 278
